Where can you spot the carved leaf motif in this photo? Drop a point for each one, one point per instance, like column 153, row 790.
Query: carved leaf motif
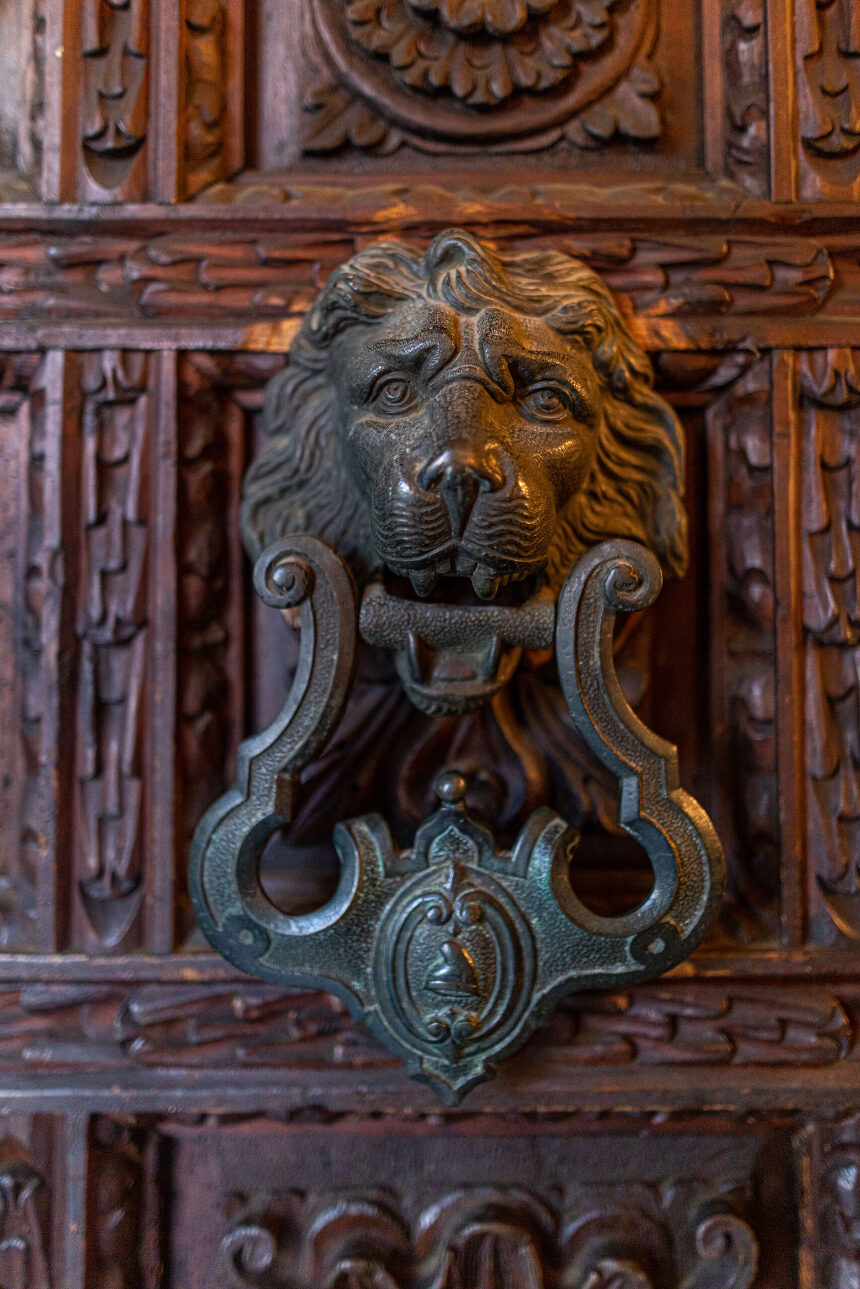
column 112, row 627
column 335, row 116
column 498, row 17
column 627, row 110
column 829, row 38
column 23, row 1262
column 31, row 128
column 746, row 91
column 116, row 1252
column 487, row 1238
column 115, row 70
column 205, row 88
column 610, row 1274
column 246, row 1252
column 30, row 530
column 491, row 1256
column 742, row 419
column 830, row 384
column 478, row 69
column 838, row 1193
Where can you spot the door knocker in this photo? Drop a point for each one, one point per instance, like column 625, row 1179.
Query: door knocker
column 468, row 470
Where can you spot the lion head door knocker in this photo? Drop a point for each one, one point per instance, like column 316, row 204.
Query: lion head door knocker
column 468, row 469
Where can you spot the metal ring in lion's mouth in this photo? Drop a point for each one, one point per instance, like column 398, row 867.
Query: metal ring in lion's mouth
column 453, row 657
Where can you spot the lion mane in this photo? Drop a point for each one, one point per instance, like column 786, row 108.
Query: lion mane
column 300, row 482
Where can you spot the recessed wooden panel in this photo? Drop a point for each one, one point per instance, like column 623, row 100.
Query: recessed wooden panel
column 420, row 1206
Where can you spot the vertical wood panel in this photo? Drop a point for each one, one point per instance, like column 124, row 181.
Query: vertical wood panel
column 73, row 1202
column 114, row 650
column 742, row 643
column 167, row 81
column 788, row 508
column 17, row 882
column 161, row 733
column 782, row 99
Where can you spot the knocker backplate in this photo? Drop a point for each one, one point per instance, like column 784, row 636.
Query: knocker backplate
column 484, row 477
column 453, row 950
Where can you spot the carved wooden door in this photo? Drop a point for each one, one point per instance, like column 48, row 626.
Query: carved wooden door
column 180, row 178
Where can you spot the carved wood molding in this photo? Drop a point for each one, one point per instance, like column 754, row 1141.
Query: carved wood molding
column 744, row 50
column 31, row 706
column 828, row 88
column 489, row 1236
column 829, row 397
column 693, row 292
column 24, row 1231
column 114, row 84
column 834, row 1185
column 743, row 644
column 101, row 120
column 540, row 1201
column 211, row 93
column 208, row 1027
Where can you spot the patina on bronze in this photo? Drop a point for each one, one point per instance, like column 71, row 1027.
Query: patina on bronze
column 473, row 440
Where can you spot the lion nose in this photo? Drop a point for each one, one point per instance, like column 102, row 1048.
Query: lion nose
column 460, row 474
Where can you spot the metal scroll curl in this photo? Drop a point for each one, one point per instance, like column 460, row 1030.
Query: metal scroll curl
column 453, row 950
column 681, row 842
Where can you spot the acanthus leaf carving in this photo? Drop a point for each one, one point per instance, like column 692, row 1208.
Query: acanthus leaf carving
column 112, row 630
column 727, row 1253
column 248, row 1026
column 458, row 56
column 830, row 402
column 837, row 1194
column 511, row 74
column 222, row 277
column 336, row 116
column 205, row 89
column 627, row 110
column 23, row 1254
column 32, row 577
column 746, row 93
column 828, row 41
column 745, row 685
column 114, row 94
column 485, row 1237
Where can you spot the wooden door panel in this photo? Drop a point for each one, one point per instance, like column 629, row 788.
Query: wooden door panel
column 446, row 1205
column 177, row 181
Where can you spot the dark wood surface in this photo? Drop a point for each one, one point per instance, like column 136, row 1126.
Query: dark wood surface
column 177, row 179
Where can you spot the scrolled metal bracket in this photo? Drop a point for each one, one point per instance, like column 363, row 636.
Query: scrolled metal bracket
column 454, row 950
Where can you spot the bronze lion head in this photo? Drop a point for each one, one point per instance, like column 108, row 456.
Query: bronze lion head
column 461, row 424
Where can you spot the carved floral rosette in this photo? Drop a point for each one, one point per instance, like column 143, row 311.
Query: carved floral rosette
column 452, row 75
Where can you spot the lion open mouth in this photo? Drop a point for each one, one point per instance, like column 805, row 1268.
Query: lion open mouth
column 475, row 591
column 455, row 646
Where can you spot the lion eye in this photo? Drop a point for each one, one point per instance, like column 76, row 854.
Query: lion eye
column 394, row 394
column 548, row 402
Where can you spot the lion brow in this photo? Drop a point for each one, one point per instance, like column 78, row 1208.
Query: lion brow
column 426, row 339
